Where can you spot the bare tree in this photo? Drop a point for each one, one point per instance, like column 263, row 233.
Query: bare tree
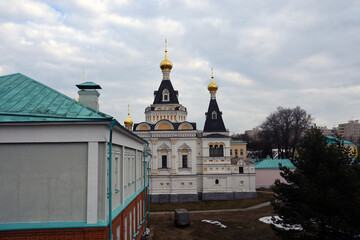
column 284, row 129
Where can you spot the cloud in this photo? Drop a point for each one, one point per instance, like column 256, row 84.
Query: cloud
column 27, row 10
column 264, row 55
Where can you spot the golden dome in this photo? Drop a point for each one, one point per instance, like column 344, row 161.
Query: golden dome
column 212, row 87
column 165, row 64
column 128, row 121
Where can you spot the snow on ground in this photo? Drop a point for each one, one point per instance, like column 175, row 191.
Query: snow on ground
column 269, row 220
column 215, row 223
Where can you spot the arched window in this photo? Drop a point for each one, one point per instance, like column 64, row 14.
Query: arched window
column 216, row 150
column 221, row 151
column 213, row 115
column 166, row 95
column 211, row 151
column 216, row 181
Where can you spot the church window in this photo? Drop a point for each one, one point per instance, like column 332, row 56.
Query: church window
column 165, row 95
column 211, row 151
column 221, row 151
column 164, row 161
column 213, row 115
column 184, row 161
column 216, row 150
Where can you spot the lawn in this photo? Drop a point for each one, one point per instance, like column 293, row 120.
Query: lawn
column 240, row 225
column 212, row 205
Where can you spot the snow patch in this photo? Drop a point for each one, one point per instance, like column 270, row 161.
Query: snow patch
column 214, row 222
column 269, row 220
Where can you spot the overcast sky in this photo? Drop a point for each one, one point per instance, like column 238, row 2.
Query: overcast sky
column 265, row 54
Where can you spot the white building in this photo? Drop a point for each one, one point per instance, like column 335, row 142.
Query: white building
column 188, row 164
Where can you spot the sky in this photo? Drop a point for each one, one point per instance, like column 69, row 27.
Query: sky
column 265, row 54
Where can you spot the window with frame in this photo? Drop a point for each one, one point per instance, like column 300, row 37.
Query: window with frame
column 184, row 161
column 241, row 152
column 134, row 221
column 213, row 115
column 166, row 95
column 236, row 153
column 216, row 150
column 130, row 227
column 241, row 169
column 125, row 228
column 118, row 233
column 211, row 151
column 221, row 151
column 164, row 161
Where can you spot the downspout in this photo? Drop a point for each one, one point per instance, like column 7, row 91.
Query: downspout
column 113, row 122
column 148, row 190
column 148, row 197
column 144, row 153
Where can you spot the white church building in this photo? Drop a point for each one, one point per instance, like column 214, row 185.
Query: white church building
column 189, row 164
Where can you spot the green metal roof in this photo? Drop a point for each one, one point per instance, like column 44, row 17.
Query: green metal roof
column 333, row 140
column 23, row 99
column 270, row 163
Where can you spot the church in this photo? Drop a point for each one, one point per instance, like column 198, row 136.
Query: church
column 189, row 164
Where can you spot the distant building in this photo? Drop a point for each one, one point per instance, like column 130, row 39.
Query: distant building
column 267, row 171
column 327, row 131
column 55, row 172
column 353, row 147
column 238, row 149
column 253, row 134
column 188, row 164
column 350, row 131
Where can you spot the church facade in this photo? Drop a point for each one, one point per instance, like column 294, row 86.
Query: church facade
column 189, row 164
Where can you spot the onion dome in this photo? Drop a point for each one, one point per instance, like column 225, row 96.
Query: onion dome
column 128, row 121
column 166, row 65
column 212, row 87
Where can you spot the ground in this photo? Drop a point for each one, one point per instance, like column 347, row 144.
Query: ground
column 240, row 224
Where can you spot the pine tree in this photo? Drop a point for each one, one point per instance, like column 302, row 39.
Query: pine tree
column 322, row 194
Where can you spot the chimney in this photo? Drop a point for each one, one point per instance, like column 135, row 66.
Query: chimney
column 89, row 95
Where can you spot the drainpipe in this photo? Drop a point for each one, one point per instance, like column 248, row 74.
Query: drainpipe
column 148, row 197
column 148, row 190
column 113, row 122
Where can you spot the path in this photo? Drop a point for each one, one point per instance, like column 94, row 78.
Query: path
column 265, row 204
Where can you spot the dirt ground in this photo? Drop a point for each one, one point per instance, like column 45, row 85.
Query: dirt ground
column 240, row 225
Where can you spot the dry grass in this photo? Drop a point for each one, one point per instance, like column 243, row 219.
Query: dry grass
column 241, row 225
column 212, row 205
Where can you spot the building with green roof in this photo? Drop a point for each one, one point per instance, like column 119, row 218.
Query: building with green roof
column 267, row 171
column 55, row 173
